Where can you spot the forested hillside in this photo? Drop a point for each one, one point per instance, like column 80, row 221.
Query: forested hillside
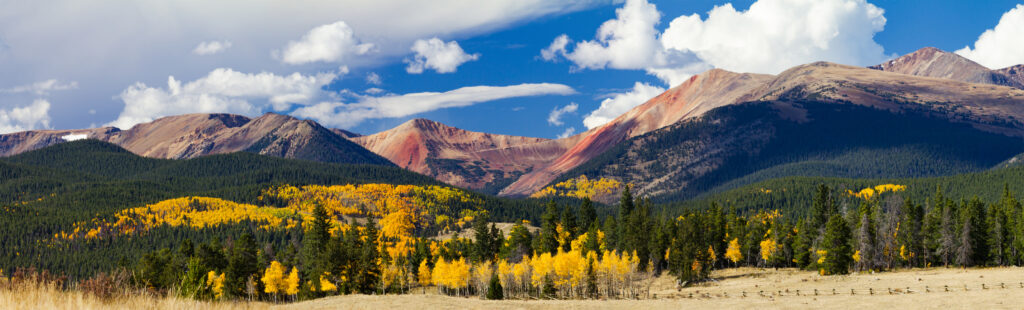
column 741, row 144
column 47, row 192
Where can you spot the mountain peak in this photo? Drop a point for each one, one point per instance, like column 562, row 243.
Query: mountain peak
column 936, row 63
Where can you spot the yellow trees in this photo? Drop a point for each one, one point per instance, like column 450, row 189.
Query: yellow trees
column 216, row 284
column 569, row 272
column 733, row 253
column 291, row 283
column 392, row 275
column 584, row 238
column 424, row 273
column 541, row 266
column 600, row 189
column 768, row 249
column 273, row 278
column 453, row 276
column 482, row 276
column 325, row 284
column 397, row 224
column 871, row 192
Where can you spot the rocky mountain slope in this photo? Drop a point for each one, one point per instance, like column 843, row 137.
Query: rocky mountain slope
column 933, row 62
column 193, row 135
column 460, row 157
column 824, row 119
column 701, row 93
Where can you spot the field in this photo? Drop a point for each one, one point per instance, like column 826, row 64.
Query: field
column 926, row 290
column 993, row 288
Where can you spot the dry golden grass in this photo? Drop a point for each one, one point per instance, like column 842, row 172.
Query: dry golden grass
column 48, row 297
column 765, row 288
column 727, row 290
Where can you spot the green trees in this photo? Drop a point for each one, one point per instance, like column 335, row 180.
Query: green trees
column 242, row 270
column 315, row 255
column 836, row 247
column 548, row 239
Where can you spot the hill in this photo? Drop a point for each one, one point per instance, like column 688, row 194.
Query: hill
column 195, row 135
column 49, row 191
column 824, row 119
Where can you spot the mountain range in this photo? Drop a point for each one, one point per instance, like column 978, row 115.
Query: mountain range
column 928, row 113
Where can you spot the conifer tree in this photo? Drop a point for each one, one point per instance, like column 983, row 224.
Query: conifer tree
column 241, row 266
column 836, row 244
column 588, row 215
column 866, row 239
column 368, row 271
column 315, row 256
column 548, row 241
column 494, row 290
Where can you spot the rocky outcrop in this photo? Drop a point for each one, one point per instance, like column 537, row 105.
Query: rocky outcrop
column 933, row 62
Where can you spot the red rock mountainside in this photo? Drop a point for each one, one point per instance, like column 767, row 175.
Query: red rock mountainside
column 460, row 157
column 701, row 93
column 933, row 62
column 192, row 135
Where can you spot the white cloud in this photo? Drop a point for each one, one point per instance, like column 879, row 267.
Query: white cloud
column 771, row 36
column 373, row 78
column 556, row 49
column 621, row 103
column 333, row 42
column 374, row 91
column 346, row 115
column 41, row 88
column 211, row 47
column 1002, row 46
column 33, row 116
column 223, row 91
column 567, row 133
column 438, row 55
column 555, row 117
column 774, row 35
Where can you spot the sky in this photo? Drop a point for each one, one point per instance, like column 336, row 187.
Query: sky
column 542, row 68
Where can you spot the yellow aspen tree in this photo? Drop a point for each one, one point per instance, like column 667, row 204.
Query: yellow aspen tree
column 733, row 253
column 216, row 284
column 273, row 278
column 292, row 282
column 424, row 274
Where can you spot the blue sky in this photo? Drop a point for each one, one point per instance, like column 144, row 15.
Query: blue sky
column 67, row 66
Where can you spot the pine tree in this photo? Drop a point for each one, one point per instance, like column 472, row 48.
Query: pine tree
column 482, row 247
column 837, row 246
column 624, row 236
column 588, row 215
column 570, row 226
column 548, row 241
column 591, row 290
column 241, row 266
column 965, row 254
column 494, row 290
column 801, row 245
column 315, row 256
column 368, row 271
column 822, row 208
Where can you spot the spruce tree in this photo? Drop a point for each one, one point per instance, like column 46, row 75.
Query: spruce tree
column 837, row 246
column 494, row 290
column 548, row 241
column 866, row 239
column 588, row 215
column 315, row 255
column 368, row 273
column 241, row 266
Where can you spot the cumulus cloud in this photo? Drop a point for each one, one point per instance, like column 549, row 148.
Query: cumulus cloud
column 437, row 55
column 33, row 116
column 373, row 78
column 346, row 115
column 555, row 117
column 620, row 103
column 1002, row 46
column 769, row 37
column 567, row 133
column 221, row 91
column 333, row 42
column 556, row 49
column 211, row 47
column 774, row 35
column 41, row 88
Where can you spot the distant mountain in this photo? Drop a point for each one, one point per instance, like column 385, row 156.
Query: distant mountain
column 194, row 135
column 824, row 119
column 699, row 94
column 459, row 157
column 933, row 62
column 1016, row 73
